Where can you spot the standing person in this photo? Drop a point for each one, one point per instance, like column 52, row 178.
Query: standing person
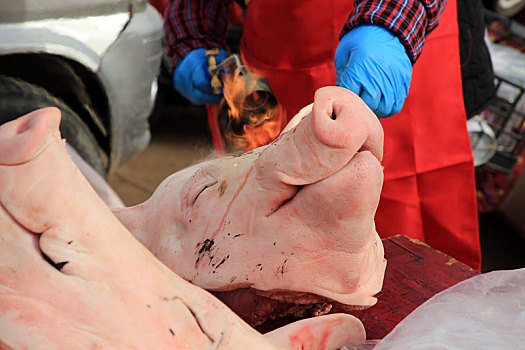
column 429, row 191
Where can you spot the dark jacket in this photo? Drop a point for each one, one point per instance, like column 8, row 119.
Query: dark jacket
column 476, row 66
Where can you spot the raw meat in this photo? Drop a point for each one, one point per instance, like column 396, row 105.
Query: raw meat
column 292, row 221
column 72, row 277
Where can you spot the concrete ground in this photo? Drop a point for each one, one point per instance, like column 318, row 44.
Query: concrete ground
column 180, row 137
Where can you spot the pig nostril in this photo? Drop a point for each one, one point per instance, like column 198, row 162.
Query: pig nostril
column 333, row 116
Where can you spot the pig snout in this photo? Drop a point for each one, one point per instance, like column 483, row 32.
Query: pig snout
column 25, row 137
column 341, row 120
column 325, row 140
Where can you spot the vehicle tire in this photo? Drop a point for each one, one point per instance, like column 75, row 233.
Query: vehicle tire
column 17, row 97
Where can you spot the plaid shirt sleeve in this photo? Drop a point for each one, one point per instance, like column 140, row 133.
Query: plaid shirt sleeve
column 410, row 20
column 192, row 24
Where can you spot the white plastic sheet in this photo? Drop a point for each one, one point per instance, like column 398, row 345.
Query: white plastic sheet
column 483, row 312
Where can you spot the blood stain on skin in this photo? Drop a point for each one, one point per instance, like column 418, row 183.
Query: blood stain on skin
column 305, row 339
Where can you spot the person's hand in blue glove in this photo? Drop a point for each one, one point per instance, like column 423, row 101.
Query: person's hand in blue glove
column 372, row 62
column 192, row 79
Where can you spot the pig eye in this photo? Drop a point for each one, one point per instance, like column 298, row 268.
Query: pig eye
column 198, row 194
column 199, row 188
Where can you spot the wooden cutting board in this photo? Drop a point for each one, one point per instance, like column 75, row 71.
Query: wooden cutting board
column 415, row 272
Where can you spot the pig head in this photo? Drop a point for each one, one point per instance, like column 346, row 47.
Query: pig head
column 295, row 217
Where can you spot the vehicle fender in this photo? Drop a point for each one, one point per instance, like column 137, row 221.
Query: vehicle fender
column 84, row 40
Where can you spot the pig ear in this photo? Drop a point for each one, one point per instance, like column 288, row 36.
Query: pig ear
column 23, row 138
column 298, row 117
column 322, row 332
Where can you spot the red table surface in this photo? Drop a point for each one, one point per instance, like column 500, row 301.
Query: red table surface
column 415, row 272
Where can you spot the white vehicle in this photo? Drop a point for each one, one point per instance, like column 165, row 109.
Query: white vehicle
column 96, row 60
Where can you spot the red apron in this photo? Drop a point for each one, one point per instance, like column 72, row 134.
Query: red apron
column 160, row 5
column 429, row 190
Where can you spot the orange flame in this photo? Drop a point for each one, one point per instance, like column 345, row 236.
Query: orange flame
column 266, row 133
column 255, row 118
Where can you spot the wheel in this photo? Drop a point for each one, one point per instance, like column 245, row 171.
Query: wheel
column 17, row 97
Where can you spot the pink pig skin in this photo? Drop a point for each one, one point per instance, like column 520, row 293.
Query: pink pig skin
column 99, row 287
column 296, row 215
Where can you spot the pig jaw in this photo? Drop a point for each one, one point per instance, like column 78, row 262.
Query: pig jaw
column 347, row 278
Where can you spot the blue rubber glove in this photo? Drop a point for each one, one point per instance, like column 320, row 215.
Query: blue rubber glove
column 372, row 62
column 192, row 79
